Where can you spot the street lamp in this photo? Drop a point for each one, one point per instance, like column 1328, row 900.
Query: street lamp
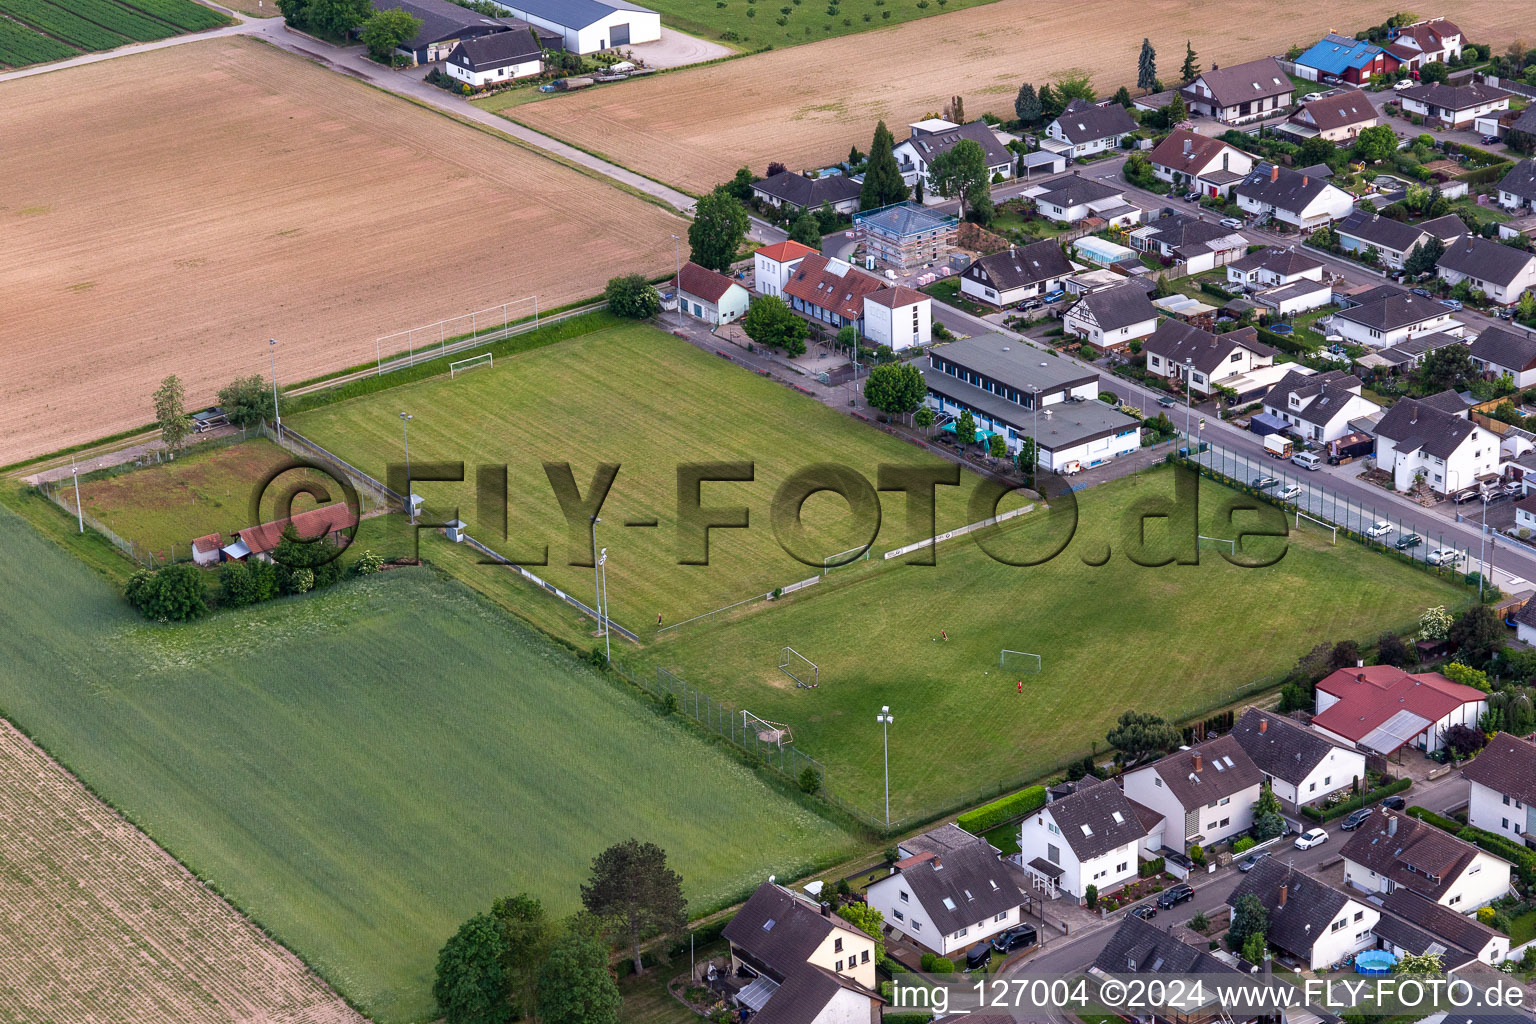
column 677, row 282
column 885, row 718
column 410, row 506
column 597, row 586
column 602, row 562
column 277, row 413
column 1034, row 403
column 79, row 511
column 1189, row 392
column 1482, row 548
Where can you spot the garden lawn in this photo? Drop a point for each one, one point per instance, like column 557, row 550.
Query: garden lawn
column 648, row 401
column 1174, row 640
column 361, row 769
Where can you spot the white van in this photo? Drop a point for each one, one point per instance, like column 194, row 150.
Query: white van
column 1307, row 460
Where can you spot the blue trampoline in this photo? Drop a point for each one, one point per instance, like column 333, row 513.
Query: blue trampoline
column 1374, row 961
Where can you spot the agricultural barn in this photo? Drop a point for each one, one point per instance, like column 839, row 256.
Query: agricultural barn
column 444, row 25
column 588, row 26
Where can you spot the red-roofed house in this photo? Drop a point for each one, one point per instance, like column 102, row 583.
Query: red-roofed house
column 1382, row 708
column 830, row 290
column 772, row 265
column 1199, row 162
column 205, row 550
column 258, row 541
column 710, row 296
column 899, row 317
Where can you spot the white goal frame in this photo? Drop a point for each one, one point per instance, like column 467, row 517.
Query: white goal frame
column 453, row 367
column 1333, row 531
column 1202, row 541
column 845, row 558
column 794, row 664
column 1002, row 660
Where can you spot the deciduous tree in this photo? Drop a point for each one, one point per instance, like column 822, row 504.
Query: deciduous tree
column 965, row 428
column 632, row 888
column 246, row 401
column 471, row 983
column 528, row 936
column 1375, row 143
column 1478, row 631
column 1392, row 649
column 1268, row 819
column 961, row 173
column 576, row 985
column 806, row 229
column 171, row 413
column 1434, row 71
column 771, row 323
column 719, row 224
column 740, row 186
column 632, row 295
column 171, row 594
column 386, row 30
column 1248, row 918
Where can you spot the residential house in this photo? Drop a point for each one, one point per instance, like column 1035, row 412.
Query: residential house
column 1501, row 788
column 500, row 57
column 1300, row 766
column 1194, row 245
column 1392, row 850
column 1241, row 92
column 898, row 317
column 1199, row 162
column 1392, row 239
column 1274, row 266
column 1433, row 440
column 1428, row 41
column 1110, row 319
column 789, row 190
column 1296, row 198
column 1501, row 350
column 906, row 235
column 1499, row 271
column 205, row 550
column 829, row 290
column 1383, row 709
column 1085, row 128
column 949, row 891
column 934, row 137
column 328, row 522
column 1179, row 351
column 1205, row 793
column 1014, row 274
column 1517, row 189
column 1089, row 838
column 1391, row 320
column 587, row 26
column 1408, row 355
column 1337, row 118
column 1453, row 106
column 1010, row 391
column 1319, row 406
column 1308, row 918
column 1073, row 199
column 444, row 25
column 801, row 962
column 1140, row 948
column 772, row 265
column 1345, row 59
column 1464, row 938
column 710, row 296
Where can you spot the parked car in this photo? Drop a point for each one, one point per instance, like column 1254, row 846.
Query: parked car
column 1249, row 862
column 977, row 958
column 1406, row 83
column 1380, row 528
column 1466, row 494
column 1290, row 493
column 1507, row 313
column 1054, row 296
column 1444, row 556
column 1263, row 483
column 1172, row 897
column 1451, row 304
column 1424, row 292
column 1310, row 838
column 1395, row 803
column 1309, row 97
column 1145, row 911
column 1019, row 937
column 1408, row 540
column 1192, row 197
column 1231, row 222
column 1355, row 819
column 1167, row 401
column 1307, row 460
column 1490, row 140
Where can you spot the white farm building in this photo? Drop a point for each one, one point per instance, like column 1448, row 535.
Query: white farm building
column 590, row 25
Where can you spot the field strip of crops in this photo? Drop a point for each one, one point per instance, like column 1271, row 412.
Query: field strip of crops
column 61, row 23
column 184, row 14
column 117, row 18
column 20, row 45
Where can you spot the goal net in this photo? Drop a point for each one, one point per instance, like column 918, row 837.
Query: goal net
column 483, row 359
column 1333, row 531
column 843, row 558
column 1019, row 661
column 1219, row 543
column 805, row 672
column 776, row 733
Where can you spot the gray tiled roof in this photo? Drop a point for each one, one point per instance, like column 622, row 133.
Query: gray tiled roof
column 1076, row 190
column 931, row 144
column 1085, row 122
column 500, row 49
column 1521, row 179
column 1182, row 229
column 1025, row 265
column 1328, row 391
column 1179, row 342
column 1310, row 905
column 1289, row 190
column 1417, row 855
column 1394, row 312
column 442, row 20
column 962, row 885
column 1454, row 929
column 1419, row 941
column 1513, row 350
column 779, row 930
column 1454, row 97
column 1439, row 433
column 798, row 190
column 1507, row 765
column 1225, row 770
column 1096, row 819
column 1283, row 750
column 1242, row 83
column 1277, row 261
column 1117, row 307
column 1485, row 260
column 1140, row 947
column 1349, row 107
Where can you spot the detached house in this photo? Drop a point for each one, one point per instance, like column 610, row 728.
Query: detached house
column 1318, row 407
column 1391, row 320
column 1344, row 58
column 1292, row 197
column 1141, row 948
column 1428, row 41
column 1411, row 923
column 1206, row 165
column 1501, row 350
column 1416, row 439
column 1300, row 766
column 1392, row 239
column 1178, row 351
column 1274, row 266
column 1194, row 245
column 1205, row 793
column 1017, row 273
column 934, row 137
column 773, row 264
column 1499, row 271
column 500, row 57
column 1086, row 128
column 948, row 891
column 710, row 296
column 1076, row 198
column 1453, row 106
column 1309, row 919
column 1110, row 319
column 1090, row 837
column 1383, row 709
column 1501, row 785
column 1517, row 189
column 1240, row 93
column 1337, row 118
column 1392, row 851
column 801, row 962
column 788, row 190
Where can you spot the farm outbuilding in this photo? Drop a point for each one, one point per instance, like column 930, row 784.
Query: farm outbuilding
column 590, row 25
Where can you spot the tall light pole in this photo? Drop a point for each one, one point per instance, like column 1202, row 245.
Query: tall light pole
column 597, row 586
column 277, row 413
column 1034, row 403
column 1189, row 391
column 1482, row 548
column 79, row 510
column 410, row 506
column 885, row 718
column 602, row 561
column 677, row 281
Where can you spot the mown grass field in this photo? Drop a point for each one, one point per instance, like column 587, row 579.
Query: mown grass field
column 363, row 768
column 42, row 30
column 638, row 397
column 1171, row 640
column 779, row 23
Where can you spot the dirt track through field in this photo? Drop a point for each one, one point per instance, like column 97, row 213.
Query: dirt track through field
column 100, row 925
column 804, row 105
column 171, row 211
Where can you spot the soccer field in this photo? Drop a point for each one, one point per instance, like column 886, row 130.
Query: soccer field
column 649, row 402
column 363, row 768
column 1170, row 640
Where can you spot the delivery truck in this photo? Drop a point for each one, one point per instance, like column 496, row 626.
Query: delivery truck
column 1348, row 448
column 1279, row 446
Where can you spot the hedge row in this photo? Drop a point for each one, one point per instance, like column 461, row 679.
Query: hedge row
column 1148, row 868
column 989, row 816
column 1523, row 859
column 1371, row 796
column 1283, row 342
column 1440, row 821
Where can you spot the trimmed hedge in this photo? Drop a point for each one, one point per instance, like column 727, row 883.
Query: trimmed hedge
column 1523, row 859
column 989, row 816
column 1148, row 868
column 1283, row 342
column 1211, row 288
column 1371, row 796
column 1438, row 820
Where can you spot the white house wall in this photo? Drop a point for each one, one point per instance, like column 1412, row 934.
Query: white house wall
column 1492, row 811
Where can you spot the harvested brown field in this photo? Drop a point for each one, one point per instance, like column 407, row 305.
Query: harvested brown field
column 101, row 925
column 210, row 196
column 804, row 105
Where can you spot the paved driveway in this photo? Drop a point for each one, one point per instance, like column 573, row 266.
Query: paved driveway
column 675, row 49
